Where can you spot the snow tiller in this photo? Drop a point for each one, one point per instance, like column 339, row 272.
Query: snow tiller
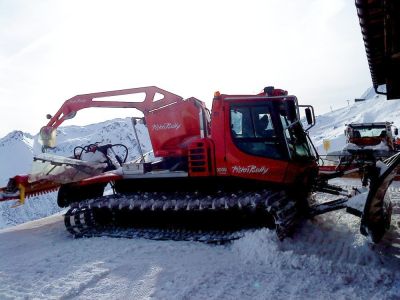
column 247, row 163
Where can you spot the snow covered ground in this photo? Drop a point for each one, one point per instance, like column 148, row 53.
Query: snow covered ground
column 326, row 259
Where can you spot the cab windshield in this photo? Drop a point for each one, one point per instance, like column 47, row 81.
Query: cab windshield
column 375, row 131
column 297, row 139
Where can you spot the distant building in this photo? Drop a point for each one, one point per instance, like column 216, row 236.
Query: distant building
column 359, row 99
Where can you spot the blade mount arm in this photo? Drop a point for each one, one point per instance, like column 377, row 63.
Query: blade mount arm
column 79, row 102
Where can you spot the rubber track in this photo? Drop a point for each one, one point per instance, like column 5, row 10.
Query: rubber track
column 81, row 219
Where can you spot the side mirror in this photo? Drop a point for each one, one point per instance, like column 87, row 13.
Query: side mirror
column 309, row 116
column 48, row 116
column 396, row 131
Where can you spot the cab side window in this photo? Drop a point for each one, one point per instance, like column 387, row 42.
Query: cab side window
column 241, row 124
column 253, row 131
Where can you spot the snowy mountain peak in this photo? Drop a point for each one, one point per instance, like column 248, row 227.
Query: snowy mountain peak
column 16, row 136
column 116, row 131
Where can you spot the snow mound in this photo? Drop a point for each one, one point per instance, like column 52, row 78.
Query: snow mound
column 15, row 155
column 318, row 262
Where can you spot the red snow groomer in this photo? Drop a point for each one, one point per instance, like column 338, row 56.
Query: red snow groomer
column 249, row 162
column 378, row 136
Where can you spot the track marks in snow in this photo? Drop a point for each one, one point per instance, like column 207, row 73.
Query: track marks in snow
column 144, row 287
column 74, row 283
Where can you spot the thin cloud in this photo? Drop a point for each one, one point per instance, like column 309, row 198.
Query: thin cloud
column 190, row 48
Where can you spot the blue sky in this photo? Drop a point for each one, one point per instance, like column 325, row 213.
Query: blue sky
column 51, row 50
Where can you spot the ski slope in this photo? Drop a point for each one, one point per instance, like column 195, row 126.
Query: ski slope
column 331, row 126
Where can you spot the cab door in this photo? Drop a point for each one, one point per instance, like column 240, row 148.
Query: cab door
column 254, row 147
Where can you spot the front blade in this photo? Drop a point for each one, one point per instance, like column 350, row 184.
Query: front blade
column 376, row 217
